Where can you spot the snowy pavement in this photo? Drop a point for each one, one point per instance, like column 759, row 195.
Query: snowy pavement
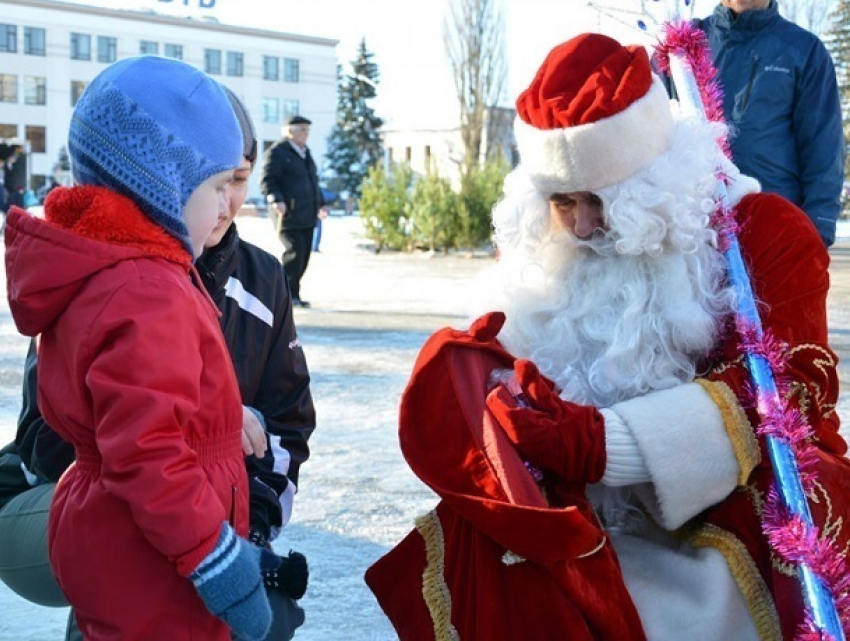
column 370, row 316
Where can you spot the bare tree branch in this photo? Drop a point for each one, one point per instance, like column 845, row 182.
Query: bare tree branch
column 812, row 15
column 474, row 35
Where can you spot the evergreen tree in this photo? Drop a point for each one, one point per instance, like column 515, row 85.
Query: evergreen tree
column 837, row 40
column 354, row 144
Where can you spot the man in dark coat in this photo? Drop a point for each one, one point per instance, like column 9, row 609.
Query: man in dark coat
column 290, row 182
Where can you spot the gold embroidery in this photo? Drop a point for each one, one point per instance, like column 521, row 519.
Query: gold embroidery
column 756, row 499
column 783, row 567
column 434, row 588
column 799, row 390
column 741, row 433
column 832, row 526
column 757, row 596
column 826, row 364
column 721, row 367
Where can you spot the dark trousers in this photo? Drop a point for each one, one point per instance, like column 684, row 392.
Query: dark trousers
column 297, row 245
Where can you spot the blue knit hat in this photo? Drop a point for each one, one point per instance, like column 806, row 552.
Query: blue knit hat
column 153, row 129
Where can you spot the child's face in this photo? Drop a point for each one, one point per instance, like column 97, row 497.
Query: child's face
column 205, row 205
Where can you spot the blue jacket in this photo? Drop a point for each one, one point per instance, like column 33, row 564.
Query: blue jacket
column 781, row 100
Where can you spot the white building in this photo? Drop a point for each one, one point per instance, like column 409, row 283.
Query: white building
column 49, row 51
column 441, row 149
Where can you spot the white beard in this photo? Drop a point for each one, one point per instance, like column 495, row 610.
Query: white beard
column 607, row 328
column 632, row 310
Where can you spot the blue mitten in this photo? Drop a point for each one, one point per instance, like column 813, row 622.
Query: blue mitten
column 229, row 582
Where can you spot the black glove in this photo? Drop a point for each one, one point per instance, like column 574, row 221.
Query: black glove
column 288, row 574
column 258, row 538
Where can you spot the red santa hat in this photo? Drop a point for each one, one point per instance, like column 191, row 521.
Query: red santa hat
column 593, row 116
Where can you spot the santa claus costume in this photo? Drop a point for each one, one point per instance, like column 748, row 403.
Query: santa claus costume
column 645, row 520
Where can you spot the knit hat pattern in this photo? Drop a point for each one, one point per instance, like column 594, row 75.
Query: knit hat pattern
column 593, row 116
column 153, row 129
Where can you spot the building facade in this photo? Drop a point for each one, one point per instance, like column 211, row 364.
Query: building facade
column 50, row 51
column 442, row 150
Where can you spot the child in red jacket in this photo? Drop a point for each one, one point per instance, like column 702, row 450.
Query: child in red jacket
column 146, row 527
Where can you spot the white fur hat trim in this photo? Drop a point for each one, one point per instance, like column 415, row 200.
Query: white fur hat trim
column 591, row 156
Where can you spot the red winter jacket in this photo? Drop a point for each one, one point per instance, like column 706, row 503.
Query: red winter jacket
column 134, row 372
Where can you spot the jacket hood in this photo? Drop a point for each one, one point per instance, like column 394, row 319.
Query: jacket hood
column 85, row 230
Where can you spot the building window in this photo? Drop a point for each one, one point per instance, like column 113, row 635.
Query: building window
column 8, row 87
column 37, row 137
column 173, row 51
column 271, row 68
column 9, row 38
column 107, row 49
column 8, row 131
column 291, row 70
column 80, row 46
column 148, row 47
column 77, row 89
column 271, row 110
column 428, row 157
column 235, row 63
column 290, row 108
column 212, row 61
column 35, row 90
column 35, row 40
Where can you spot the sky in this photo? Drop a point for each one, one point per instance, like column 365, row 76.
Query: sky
column 416, row 87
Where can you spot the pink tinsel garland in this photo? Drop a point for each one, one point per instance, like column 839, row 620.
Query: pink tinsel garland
column 789, row 536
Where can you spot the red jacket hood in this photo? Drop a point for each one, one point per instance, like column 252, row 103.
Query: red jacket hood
column 85, row 230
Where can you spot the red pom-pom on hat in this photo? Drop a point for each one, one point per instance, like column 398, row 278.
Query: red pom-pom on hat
column 593, row 115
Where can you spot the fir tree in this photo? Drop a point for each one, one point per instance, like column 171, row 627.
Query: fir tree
column 354, row 144
column 837, row 40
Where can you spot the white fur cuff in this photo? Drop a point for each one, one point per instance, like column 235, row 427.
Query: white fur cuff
column 683, row 441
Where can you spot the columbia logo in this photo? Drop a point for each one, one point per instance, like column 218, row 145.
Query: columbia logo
column 776, row 68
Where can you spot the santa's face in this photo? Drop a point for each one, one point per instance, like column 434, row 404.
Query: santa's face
column 578, row 212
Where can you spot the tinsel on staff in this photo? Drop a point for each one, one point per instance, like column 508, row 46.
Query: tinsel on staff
column 787, row 521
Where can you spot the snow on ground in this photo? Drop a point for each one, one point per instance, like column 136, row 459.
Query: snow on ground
column 370, row 316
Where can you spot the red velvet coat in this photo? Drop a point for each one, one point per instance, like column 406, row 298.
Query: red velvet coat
column 134, row 372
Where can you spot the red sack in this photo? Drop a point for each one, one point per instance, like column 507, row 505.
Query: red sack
column 495, row 560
